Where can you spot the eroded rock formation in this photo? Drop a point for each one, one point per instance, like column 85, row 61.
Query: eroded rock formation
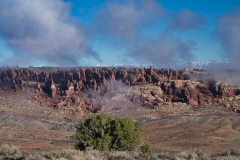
column 95, row 89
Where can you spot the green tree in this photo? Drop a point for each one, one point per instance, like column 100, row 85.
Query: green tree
column 109, row 134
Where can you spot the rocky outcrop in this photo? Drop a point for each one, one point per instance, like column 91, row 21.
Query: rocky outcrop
column 73, row 86
column 185, row 91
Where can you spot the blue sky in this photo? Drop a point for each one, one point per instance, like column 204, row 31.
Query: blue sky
column 79, row 32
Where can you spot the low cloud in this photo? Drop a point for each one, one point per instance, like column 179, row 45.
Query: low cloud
column 165, row 49
column 185, row 20
column 43, row 29
column 122, row 22
column 228, row 32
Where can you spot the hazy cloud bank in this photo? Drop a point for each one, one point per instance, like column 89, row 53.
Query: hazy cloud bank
column 165, row 49
column 125, row 19
column 124, row 22
column 228, row 32
column 185, row 20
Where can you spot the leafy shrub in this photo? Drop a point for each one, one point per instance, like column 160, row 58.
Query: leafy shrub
column 109, row 134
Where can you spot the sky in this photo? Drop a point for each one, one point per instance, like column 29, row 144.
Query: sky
column 107, row 32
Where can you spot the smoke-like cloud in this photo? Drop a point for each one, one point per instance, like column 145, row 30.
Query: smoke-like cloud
column 165, row 49
column 185, row 20
column 228, row 31
column 43, row 29
column 225, row 72
column 124, row 19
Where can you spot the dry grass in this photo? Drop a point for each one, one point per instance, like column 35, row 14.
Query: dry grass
column 10, row 151
column 194, row 154
column 232, row 154
column 14, row 153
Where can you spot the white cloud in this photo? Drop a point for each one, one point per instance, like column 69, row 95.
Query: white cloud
column 43, row 29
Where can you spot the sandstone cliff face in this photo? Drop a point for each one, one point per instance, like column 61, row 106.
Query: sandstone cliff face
column 72, row 87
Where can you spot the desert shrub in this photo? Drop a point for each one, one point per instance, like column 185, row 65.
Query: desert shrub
column 68, row 154
column 231, row 154
column 194, row 154
column 146, row 148
column 109, row 134
column 235, row 152
column 10, row 151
